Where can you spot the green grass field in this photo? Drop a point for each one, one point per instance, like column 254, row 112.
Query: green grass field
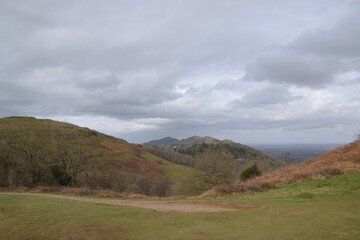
column 173, row 171
column 314, row 210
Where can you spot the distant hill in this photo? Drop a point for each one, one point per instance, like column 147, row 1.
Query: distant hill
column 162, row 142
column 45, row 152
column 331, row 163
column 245, row 155
column 188, row 142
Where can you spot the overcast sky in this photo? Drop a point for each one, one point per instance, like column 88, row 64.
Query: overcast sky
column 254, row 71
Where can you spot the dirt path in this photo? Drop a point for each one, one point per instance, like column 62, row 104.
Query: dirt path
column 185, row 206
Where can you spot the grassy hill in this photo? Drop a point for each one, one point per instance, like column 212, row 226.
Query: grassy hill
column 326, row 165
column 46, row 152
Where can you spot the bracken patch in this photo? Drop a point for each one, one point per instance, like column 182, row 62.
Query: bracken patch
column 326, row 165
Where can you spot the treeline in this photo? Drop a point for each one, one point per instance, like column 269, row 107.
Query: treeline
column 236, row 150
column 135, row 183
column 194, row 150
column 242, row 154
column 172, row 155
column 31, row 155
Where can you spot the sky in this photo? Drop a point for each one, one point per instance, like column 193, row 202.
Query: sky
column 253, row 71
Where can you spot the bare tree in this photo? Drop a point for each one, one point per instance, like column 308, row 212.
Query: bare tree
column 215, row 168
column 71, row 157
column 31, row 145
column 172, row 155
column 7, row 156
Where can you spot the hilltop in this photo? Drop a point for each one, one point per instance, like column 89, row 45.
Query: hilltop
column 174, row 143
column 45, row 152
column 191, row 141
column 161, row 142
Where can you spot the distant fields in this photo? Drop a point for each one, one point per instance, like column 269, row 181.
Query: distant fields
column 316, row 209
column 298, row 153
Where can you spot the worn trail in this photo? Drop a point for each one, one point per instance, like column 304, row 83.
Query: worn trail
column 185, row 206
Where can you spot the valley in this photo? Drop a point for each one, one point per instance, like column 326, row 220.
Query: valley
column 186, row 189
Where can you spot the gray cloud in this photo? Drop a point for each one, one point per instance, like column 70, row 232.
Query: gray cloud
column 341, row 40
column 228, row 69
column 291, row 67
column 314, row 58
column 265, row 96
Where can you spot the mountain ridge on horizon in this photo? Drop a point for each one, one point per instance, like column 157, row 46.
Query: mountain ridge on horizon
column 171, row 140
column 245, row 155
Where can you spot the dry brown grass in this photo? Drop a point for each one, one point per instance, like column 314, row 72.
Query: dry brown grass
column 326, row 165
column 131, row 160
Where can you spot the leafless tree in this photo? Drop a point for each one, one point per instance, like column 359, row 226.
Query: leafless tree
column 31, row 145
column 215, row 168
column 7, row 156
column 70, row 156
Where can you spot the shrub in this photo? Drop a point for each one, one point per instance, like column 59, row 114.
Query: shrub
column 61, row 177
column 250, row 172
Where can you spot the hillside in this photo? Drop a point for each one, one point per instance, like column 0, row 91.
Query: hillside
column 45, row 152
column 188, row 142
column 326, row 165
column 161, row 142
column 245, row 155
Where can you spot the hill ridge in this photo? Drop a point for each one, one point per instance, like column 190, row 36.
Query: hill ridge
column 245, row 155
column 161, row 142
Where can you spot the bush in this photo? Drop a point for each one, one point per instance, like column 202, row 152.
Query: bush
column 135, row 183
column 250, row 172
column 61, row 177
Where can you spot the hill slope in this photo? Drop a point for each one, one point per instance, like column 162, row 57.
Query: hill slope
column 40, row 151
column 161, row 142
column 328, row 164
column 245, row 155
column 188, row 142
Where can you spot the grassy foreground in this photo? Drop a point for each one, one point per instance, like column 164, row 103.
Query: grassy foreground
column 317, row 209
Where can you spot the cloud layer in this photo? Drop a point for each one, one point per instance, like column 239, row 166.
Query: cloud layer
column 245, row 70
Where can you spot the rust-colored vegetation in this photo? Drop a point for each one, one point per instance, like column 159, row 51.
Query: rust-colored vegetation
column 326, row 165
column 36, row 152
column 127, row 157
